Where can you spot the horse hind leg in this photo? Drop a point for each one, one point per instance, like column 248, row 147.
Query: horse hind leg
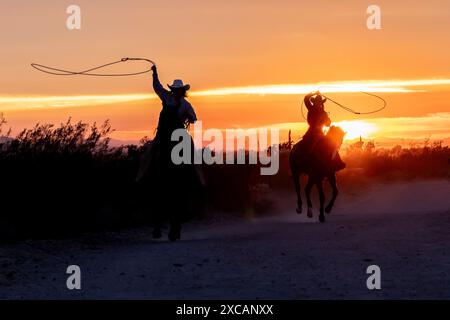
column 308, row 189
column 322, row 201
column 333, row 184
column 296, row 179
column 175, row 230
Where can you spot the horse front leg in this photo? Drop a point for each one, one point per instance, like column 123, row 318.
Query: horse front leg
column 333, row 184
column 308, row 189
column 296, row 179
column 175, row 229
column 321, row 199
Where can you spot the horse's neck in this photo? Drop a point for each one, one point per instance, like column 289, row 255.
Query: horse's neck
column 336, row 148
column 330, row 148
column 334, row 153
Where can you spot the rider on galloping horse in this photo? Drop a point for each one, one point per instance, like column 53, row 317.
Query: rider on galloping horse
column 317, row 118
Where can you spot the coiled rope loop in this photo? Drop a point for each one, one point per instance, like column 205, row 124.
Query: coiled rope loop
column 348, row 109
column 88, row 72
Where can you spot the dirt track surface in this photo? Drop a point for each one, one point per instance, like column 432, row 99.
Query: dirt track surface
column 284, row 256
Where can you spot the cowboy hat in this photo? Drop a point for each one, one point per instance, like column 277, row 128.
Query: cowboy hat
column 178, row 84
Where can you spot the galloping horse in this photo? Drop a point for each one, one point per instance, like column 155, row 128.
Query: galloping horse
column 319, row 164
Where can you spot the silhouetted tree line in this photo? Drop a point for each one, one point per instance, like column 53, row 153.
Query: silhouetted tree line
column 425, row 160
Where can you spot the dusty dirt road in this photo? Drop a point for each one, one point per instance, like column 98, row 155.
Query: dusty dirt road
column 284, row 256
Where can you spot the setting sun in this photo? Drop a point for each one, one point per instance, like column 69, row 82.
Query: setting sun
column 357, row 128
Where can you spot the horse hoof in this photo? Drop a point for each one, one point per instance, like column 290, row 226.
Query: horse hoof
column 310, row 213
column 328, row 209
column 322, row 218
column 299, row 210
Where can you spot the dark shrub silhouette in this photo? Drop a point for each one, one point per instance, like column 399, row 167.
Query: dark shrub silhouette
column 58, row 181
column 61, row 180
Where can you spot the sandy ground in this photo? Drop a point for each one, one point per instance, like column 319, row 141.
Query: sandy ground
column 401, row 227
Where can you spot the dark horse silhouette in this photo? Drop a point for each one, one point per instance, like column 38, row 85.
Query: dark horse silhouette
column 320, row 163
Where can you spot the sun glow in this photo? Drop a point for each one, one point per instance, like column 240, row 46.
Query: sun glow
column 357, row 128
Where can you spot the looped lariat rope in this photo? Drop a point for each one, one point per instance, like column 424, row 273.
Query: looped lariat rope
column 88, row 72
column 348, row 109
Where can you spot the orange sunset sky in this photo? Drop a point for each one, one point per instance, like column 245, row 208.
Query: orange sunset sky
column 249, row 63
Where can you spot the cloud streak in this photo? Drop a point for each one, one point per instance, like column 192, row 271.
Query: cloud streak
column 374, row 86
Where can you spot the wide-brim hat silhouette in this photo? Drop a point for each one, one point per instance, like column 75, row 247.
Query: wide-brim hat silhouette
column 178, row 84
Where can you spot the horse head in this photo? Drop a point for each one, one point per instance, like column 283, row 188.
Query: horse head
column 336, row 135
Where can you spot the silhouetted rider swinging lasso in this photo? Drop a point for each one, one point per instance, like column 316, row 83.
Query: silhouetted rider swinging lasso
column 317, row 155
column 170, row 185
column 175, row 189
column 317, row 119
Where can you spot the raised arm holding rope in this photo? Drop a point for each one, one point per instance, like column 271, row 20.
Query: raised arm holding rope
column 174, row 101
